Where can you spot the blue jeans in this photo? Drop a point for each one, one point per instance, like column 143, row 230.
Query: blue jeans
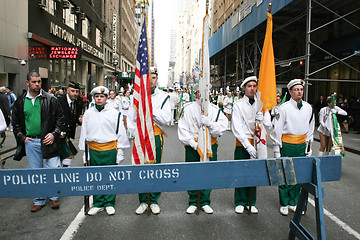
column 35, row 160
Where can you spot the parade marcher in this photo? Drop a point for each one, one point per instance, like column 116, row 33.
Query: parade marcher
column 292, row 137
column 174, row 99
column 103, row 129
column 161, row 116
column 275, row 110
column 324, row 128
column 189, row 126
column 38, row 121
column 243, row 126
column 221, row 100
column 228, row 105
column 112, row 101
column 186, row 95
column 125, row 105
column 72, row 109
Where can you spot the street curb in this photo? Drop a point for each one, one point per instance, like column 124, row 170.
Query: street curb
column 348, row 149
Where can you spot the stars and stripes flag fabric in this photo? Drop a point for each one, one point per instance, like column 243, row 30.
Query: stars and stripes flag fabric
column 144, row 141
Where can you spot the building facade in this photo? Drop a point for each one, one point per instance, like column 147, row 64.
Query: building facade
column 66, row 42
column 13, row 44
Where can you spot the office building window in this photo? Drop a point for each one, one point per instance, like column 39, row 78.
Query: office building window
column 68, row 18
column 50, row 6
column 86, row 28
column 99, row 38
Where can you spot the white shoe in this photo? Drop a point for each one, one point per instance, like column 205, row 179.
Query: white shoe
column 191, row 209
column 141, row 209
column 110, row 210
column 254, row 210
column 94, row 210
column 284, row 211
column 239, row 209
column 293, row 209
column 155, row 208
column 207, row 209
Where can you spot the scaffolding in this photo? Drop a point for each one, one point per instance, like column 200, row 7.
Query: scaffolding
column 300, row 30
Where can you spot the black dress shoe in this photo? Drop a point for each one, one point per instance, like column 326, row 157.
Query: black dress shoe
column 36, row 208
column 55, row 204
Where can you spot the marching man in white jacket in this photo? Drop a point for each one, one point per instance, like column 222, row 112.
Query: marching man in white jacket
column 292, row 137
column 243, row 126
column 189, row 126
column 103, row 129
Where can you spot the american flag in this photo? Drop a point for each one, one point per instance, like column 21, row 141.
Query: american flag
column 144, row 142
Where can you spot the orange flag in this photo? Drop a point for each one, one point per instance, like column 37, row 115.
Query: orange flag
column 267, row 77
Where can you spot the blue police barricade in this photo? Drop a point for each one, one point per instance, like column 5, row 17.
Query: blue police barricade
column 80, row 181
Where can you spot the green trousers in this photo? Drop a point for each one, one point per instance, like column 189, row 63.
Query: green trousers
column 289, row 194
column 192, row 155
column 159, row 143
column 102, row 158
column 242, row 195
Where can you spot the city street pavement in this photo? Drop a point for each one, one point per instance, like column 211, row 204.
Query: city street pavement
column 341, row 204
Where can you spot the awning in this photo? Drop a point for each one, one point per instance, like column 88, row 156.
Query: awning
column 126, row 75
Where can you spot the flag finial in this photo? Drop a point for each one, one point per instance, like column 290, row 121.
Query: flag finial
column 270, row 5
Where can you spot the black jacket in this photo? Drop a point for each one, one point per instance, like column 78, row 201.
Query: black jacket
column 5, row 108
column 71, row 119
column 52, row 121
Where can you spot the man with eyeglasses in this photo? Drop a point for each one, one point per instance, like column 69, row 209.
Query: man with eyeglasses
column 292, row 136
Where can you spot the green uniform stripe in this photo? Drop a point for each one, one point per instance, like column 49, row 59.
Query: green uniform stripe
column 162, row 105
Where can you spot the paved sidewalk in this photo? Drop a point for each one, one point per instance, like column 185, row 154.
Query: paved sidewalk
column 351, row 141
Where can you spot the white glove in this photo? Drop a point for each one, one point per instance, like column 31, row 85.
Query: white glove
column 308, row 146
column 251, row 150
column 205, row 120
column 277, row 155
column 337, row 152
column 309, row 153
column 120, row 156
column 84, row 158
column 193, row 144
column 259, row 116
column 333, row 110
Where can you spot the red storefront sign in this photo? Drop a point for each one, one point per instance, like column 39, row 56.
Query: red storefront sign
column 64, row 52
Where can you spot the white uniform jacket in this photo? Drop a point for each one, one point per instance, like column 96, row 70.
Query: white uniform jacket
column 101, row 127
column 189, row 122
column 174, row 99
column 324, row 114
column 228, row 104
column 238, row 124
column 294, row 121
column 161, row 107
column 114, row 103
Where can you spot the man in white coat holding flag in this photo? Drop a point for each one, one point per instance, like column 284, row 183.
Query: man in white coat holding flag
column 189, row 126
column 245, row 112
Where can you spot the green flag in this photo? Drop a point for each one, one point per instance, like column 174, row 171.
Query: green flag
column 284, row 99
